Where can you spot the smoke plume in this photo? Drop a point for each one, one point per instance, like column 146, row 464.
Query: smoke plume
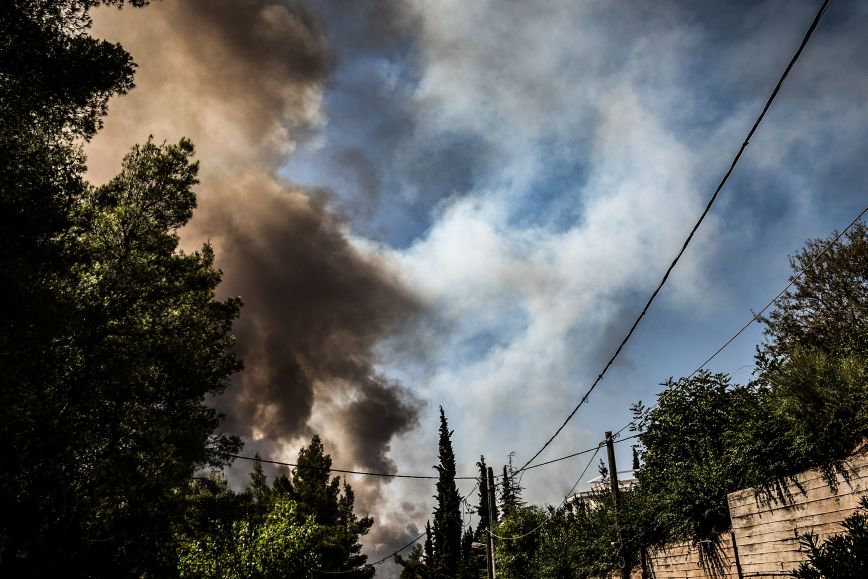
column 244, row 79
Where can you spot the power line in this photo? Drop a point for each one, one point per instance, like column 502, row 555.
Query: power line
column 573, row 455
column 387, row 557
column 759, row 314
column 342, row 471
column 699, row 221
column 587, row 450
column 378, row 562
column 566, row 498
column 780, row 294
column 587, row 466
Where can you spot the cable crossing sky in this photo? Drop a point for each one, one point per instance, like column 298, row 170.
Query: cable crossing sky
column 699, row 221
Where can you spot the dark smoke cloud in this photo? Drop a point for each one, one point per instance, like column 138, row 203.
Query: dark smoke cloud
column 314, row 311
column 244, row 80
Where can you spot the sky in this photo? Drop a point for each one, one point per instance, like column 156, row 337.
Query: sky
column 432, row 203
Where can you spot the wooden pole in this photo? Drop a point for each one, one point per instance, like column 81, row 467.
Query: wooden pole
column 489, row 555
column 491, row 517
column 616, row 502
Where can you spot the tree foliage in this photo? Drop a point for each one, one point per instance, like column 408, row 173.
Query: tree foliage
column 576, row 540
column 108, row 433
column 414, row 566
column 320, row 497
column 689, row 459
column 111, row 339
column 805, row 409
column 447, row 512
column 278, row 546
column 275, row 530
column 827, row 308
column 510, row 489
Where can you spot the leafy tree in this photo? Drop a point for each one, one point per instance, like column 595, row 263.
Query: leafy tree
column 321, row 498
column 317, row 495
column 447, row 512
column 471, row 562
column 419, row 564
column 258, row 491
column 100, row 482
column 843, row 556
column 518, row 557
column 819, row 402
column 827, row 309
column 690, row 457
column 282, row 487
column 573, row 541
column 814, row 361
column 109, row 336
column 279, row 546
column 579, row 541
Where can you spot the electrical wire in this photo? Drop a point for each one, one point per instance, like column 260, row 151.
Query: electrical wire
column 548, row 462
column 378, row 562
column 566, row 498
column 581, row 476
column 343, row 471
column 387, row 557
column 699, row 221
column 759, row 314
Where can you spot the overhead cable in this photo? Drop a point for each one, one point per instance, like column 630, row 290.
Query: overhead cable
column 566, row 498
column 758, row 315
column 389, row 556
column 699, row 221
column 340, row 470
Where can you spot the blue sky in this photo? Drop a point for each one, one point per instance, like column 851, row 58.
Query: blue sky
column 524, row 172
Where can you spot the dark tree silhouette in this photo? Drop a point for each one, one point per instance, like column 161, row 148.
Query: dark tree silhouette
column 447, row 513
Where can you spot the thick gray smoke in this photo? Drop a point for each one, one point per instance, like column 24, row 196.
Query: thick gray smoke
column 244, row 80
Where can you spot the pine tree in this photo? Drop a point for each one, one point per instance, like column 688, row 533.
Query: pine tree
column 414, row 566
column 321, row 499
column 282, row 487
column 259, row 491
column 447, row 513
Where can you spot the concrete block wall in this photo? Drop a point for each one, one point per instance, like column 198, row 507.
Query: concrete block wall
column 767, row 533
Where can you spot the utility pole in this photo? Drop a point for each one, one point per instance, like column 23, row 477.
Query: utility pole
column 491, row 522
column 616, row 501
column 486, row 499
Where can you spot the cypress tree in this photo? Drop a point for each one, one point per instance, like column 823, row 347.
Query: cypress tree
column 507, row 496
column 429, row 545
column 510, row 491
column 483, row 511
column 447, row 513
